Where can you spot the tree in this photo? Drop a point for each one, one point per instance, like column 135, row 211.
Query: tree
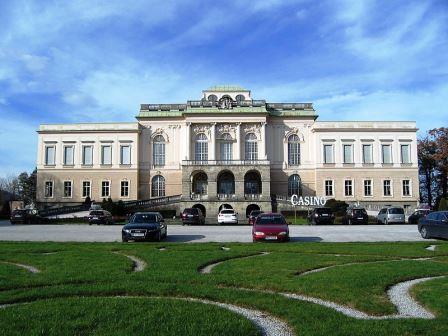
column 440, row 138
column 27, row 187
column 338, row 207
column 427, row 165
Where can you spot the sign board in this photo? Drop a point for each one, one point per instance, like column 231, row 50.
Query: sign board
column 308, row 200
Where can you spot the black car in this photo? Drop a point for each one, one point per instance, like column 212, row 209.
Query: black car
column 192, row 216
column 321, row 215
column 355, row 216
column 25, row 216
column 144, row 226
column 434, row 225
column 100, row 217
column 417, row 214
column 253, row 215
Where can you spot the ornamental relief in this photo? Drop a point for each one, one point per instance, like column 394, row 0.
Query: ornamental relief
column 160, row 131
column 291, row 131
column 202, row 128
column 253, row 128
column 226, row 129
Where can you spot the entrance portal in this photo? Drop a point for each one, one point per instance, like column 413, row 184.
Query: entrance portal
column 250, row 208
column 200, row 207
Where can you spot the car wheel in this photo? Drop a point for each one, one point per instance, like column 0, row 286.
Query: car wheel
column 349, row 221
column 124, row 240
column 386, row 222
column 424, row 232
column 159, row 236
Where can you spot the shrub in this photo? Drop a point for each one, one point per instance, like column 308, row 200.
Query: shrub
column 338, row 207
column 443, row 204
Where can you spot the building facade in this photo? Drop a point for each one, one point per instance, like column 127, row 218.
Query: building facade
column 229, row 150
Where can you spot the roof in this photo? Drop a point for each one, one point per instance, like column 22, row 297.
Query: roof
column 226, row 88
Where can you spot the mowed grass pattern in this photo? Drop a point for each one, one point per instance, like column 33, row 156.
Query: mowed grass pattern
column 86, row 288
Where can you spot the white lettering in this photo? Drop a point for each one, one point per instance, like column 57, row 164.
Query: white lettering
column 308, row 200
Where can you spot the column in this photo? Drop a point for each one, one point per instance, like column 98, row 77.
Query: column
column 263, row 141
column 238, row 142
column 187, row 141
column 213, row 143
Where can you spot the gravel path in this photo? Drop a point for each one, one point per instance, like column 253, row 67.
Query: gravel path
column 138, row 264
column 29, row 268
column 208, row 268
column 431, row 247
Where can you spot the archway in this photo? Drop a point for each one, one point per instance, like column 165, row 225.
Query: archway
column 250, row 208
column 252, row 183
column 225, row 206
column 226, row 183
column 200, row 183
column 200, row 207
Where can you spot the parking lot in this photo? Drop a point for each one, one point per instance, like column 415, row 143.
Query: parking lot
column 209, row 233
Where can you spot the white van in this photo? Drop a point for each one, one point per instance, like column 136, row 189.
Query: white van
column 391, row 215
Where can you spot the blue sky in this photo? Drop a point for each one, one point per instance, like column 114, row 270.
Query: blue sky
column 93, row 61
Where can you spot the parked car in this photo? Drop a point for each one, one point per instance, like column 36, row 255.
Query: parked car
column 100, row 217
column 391, row 215
column 227, row 216
column 434, row 225
column 192, row 216
column 270, row 226
column 417, row 214
column 25, row 216
column 145, row 226
column 253, row 215
column 355, row 216
column 321, row 215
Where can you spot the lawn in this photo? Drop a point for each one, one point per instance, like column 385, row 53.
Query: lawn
column 93, row 288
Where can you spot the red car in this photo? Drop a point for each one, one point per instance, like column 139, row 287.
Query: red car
column 270, row 226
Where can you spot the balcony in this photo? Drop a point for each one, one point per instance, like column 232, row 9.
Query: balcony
column 225, row 162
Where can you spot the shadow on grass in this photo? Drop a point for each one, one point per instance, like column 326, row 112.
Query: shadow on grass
column 306, row 239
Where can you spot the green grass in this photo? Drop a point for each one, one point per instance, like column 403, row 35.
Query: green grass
column 75, row 292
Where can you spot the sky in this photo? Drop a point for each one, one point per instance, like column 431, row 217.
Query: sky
column 97, row 61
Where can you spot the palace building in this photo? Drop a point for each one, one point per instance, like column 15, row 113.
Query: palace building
column 229, row 150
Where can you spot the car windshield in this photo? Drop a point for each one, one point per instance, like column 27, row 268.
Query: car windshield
column 256, row 212
column 191, row 211
column 227, row 212
column 143, row 218
column 396, row 211
column 359, row 212
column 271, row 220
column 323, row 210
column 96, row 213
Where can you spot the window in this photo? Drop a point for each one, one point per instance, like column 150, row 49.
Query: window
column 67, row 188
column 328, row 154
column 105, row 189
column 50, row 152
column 367, row 187
column 329, row 188
column 106, row 155
column 239, row 97
column 124, row 189
column 158, row 186
column 226, row 147
column 87, row 155
column 294, row 185
column 293, row 150
column 48, row 192
column 405, row 154
column 387, row 188
column 86, row 189
column 406, row 188
column 212, row 98
column 125, row 154
column 367, row 154
column 68, row 155
column 251, row 147
column 348, row 153
column 386, row 153
column 201, row 148
column 348, row 188
column 158, row 151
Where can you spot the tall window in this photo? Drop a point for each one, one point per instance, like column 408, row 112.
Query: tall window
column 367, row 154
column 329, row 188
column 406, row 188
column 87, row 155
column 348, row 188
column 201, row 148
column 50, row 152
column 348, row 153
column 106, row 155
column 293, row 150
column 86, row 189
column 124, row 189
column 226, row 147
column 387, row 188
column 367, row 187
column 328, row 154
column 125, row 154
column 251, row 147
column 68, row 155
column 48, row 192
column 67, row 188
column 386, row 152
column 158, row 151
column 405, row 154
column 294, row 185
column 105, row 189
column 158, row 186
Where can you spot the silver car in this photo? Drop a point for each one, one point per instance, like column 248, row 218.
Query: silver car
column 391, row 215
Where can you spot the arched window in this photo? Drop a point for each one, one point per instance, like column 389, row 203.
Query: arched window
column 158, row 186
column 158, row 151
column 252, row 183
column 201, row 148
column 251, row 147
column 293, row 150
column 294, row 185
column 225, row 146
column 239, row 98
column 226, row 183
column 200, row 183
column 212, row 98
